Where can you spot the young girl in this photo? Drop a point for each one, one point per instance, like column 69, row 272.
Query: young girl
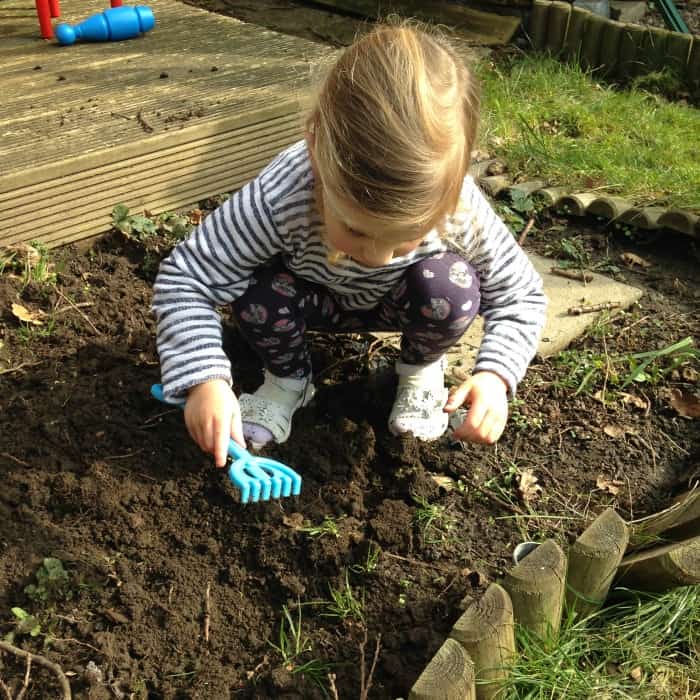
column 369, row 223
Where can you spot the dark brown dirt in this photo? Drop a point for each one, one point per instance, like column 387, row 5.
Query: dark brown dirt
column 99, row 475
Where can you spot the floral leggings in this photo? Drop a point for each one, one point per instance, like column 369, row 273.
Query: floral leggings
column 432, row 305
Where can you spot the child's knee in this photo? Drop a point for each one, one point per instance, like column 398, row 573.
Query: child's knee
column 444, row 289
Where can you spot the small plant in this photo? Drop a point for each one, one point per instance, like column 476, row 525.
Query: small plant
column 405, row 584
column 344, row 604
column 26, row 624
column 292, row 644
column 291, row 641
column 521, row 420
column 28, row 332
column 370, row 563
column 52, row 582
column 433, row 520
column 328, row 527
column 173, row 226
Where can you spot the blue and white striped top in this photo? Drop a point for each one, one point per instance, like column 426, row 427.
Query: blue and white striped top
column 275, row 214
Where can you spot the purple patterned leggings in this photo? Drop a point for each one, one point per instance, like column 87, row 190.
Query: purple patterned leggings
column 432, row 305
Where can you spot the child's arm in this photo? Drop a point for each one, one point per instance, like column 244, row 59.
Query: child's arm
column 513, row 307
column 208, row 270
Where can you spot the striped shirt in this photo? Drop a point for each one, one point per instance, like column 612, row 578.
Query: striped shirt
column 275, row 215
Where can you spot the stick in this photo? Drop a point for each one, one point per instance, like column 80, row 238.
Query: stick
column 25, row 685
column 206, row 613
column 501, row 502
column 366, row 683
column 42, row 661
column 18, row 367
column 333, row 688
column 526, row 230
column 578, row 275
column 75, row 307
column 5, row 689
column 583, row 309
column 15, row 459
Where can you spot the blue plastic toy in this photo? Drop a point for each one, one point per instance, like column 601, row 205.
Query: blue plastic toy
column 114, row 24
column 258, row 478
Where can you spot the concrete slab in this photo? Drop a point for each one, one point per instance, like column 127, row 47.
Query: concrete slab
column 629, row 10
column 561, row 328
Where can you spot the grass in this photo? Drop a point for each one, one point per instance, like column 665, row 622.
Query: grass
column 554, row 121
column 344, row 603
column 329, row 527
column 433, row 519
column 643, row 647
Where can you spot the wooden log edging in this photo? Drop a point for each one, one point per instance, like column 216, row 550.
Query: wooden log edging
column 593, row 562
column 536, row 587
column 662, row 568
column 487, row 631
column 533, row 595
column 612, row 48
column 678, row 522
column 614, row 209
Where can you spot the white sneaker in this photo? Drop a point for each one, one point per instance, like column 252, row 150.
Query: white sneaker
column 267, row 414
column 420, row 398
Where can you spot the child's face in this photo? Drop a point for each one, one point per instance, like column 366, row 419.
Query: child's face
column 354, row 233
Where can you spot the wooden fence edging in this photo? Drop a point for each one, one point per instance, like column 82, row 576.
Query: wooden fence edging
column 662, row 568
column 679, row 522
column 536, row 588
column 448, row 676
column 593, row 562
column 486, row 630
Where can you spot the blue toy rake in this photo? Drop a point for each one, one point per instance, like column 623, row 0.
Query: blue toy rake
column 257, row 478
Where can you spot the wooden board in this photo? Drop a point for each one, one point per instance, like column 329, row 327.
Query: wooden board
column 193, row 108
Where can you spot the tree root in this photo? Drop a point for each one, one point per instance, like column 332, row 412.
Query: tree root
column 42, row 661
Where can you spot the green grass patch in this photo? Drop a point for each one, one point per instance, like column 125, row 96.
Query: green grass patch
column 550, row 120
column 643, row 647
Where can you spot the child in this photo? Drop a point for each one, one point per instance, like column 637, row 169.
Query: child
column 369, row 223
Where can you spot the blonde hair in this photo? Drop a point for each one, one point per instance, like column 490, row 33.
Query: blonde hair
column 393, row 128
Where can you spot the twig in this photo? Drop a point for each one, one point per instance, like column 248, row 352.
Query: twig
column 80, row 305
column 75, row 307
column 123, row 116
column 18, row 367
column 496, row 499
column 366, row 682
column 526, row 230
column 206, row 612
column 333, row 689
column 408, row 560
column 8, row 694
column 583, row 309
column 578, row 275
column 15, row 459
column 42, row 661
column 25, row 684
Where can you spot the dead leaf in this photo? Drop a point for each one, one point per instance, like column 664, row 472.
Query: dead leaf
column 195, row 217
column 528, row 488
column 614, row 431
column 612, row 486
column 443, row 482
column 636, row 674
column 635, row 260
column 634, row 400
column 690, row 374
column 685, row 403
column 35, row 317
column 24, row 253
column 293, row 520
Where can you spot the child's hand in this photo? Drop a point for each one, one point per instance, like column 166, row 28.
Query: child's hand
column 213, row 417
column 486, row 394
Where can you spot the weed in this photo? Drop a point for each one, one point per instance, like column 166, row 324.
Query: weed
column 434, row 520
column 26, row 623
column 585, row 369
column 28, row 332
column 175, row 227
column 521, row 420
column 344, row 604
column 293, row 644
column 328, row 527
column 370, row 563
column 52, row 582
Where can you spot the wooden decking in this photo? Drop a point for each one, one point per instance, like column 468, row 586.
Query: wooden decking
column 195, row 107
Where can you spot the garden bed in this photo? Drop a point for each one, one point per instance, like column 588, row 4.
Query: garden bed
column 174, row 590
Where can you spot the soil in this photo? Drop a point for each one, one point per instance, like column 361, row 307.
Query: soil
column 175, row 590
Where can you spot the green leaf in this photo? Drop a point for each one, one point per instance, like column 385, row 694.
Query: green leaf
column 119, row 213
column 20, row 614
column 35, row 631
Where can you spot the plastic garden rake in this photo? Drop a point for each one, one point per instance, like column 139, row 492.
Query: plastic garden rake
column 257, row 478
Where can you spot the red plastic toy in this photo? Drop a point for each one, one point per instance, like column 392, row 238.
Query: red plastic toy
column 48, row 9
